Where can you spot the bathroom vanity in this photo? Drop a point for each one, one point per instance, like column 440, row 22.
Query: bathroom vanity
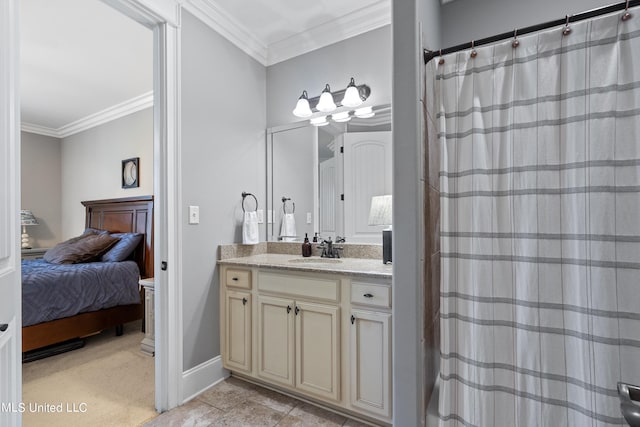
column 315, row 328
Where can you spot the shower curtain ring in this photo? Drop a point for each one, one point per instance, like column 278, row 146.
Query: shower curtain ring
column 441, row 61
column 626, row 15
column 567, row 29
column 515, row 43
column 474, row 53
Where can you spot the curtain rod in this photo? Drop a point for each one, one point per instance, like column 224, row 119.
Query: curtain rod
column 429, row 54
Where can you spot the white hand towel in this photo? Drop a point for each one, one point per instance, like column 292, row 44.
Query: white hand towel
column 250, row 233
column 288, row 227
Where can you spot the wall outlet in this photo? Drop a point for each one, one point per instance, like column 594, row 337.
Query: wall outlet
column 308, row 217
column 260, row 213
column 194, row 214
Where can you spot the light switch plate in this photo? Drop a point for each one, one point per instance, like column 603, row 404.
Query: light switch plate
column 260, row 213
column 270, row 216
column 308, row 217
column 194, row 214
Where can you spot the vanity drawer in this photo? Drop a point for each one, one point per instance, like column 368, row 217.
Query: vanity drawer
column 370, row 294
column 299, row 286
column 238, row 278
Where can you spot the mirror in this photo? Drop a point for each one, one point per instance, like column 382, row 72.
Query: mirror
column 321, row 179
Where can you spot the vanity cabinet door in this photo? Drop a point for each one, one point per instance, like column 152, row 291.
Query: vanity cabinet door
column 318, row 349
column 237, row 352
column 370, row 357
column 276, row 339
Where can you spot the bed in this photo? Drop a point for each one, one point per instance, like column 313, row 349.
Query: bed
column 42, row 327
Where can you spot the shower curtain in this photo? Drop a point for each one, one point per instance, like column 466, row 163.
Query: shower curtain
column 540, row 226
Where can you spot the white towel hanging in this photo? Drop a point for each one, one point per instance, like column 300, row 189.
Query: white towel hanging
column 288, row 227
column 250, row 231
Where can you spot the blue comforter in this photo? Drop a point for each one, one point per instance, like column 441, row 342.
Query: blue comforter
column 53, row 291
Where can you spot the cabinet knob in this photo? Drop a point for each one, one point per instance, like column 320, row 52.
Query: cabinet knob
column 288, row 309
column 368, row 295
column 297, row 310
column 3, row 327
column 353, row 319
column 244, row 301
column 235, row 279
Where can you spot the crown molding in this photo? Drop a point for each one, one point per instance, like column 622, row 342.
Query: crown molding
column 209, row 12
column 117, row 111
column 347, row 26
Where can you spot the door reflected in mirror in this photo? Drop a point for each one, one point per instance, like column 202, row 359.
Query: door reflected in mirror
column 331, row 174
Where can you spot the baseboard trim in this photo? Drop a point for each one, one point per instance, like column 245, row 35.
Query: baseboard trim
column 202, row 377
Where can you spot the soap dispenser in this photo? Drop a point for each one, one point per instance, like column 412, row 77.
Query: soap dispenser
column 306, row 247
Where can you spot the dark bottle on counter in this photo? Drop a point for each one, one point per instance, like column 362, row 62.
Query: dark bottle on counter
column 306, row 247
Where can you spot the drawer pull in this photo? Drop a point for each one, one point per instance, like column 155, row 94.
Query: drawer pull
column 353, row 319
column 288, row 309
column 235, row 279
column 3, row 327
column 367, row 295
column 244, row 301
column 297, row 310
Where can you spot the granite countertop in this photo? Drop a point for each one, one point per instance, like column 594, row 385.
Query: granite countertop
column 346, row 266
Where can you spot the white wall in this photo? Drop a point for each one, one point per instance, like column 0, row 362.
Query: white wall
column 223, row 154
column 366, row 57
column 92, row 165
column 41, row 178
column 466, row 20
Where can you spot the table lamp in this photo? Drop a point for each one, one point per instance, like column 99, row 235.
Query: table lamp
column 26, row 218
column 381, row 214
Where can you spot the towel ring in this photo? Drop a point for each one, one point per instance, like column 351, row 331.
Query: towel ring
column 284, row 205
column 244, row 196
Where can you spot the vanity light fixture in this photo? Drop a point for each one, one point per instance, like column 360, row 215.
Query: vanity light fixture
column 352, row 95
column 341, row 117
column 302, row 107
column 326, row 103
column 364, row 113
column 319, row 121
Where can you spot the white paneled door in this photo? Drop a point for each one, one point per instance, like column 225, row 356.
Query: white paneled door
column 367, row 173
column 10, row 314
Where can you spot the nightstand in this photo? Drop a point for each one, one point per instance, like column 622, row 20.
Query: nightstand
column 148, row 343
column 33, row 253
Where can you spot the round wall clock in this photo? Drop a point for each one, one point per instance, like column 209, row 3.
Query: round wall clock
column 130, row 173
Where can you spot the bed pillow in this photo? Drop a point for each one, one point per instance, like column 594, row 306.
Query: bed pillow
column 91, row 230
column 123, row 248
column 80, row 249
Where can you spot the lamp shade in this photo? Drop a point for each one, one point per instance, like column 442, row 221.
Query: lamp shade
column 326, row 103
column 302, row 107
column 381, row 210
column 364, row 112
column 352, row 95
column 27, row 218
column 319, row 121
column 341, row 117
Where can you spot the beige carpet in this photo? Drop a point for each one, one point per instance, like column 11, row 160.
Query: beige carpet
column 109, row 382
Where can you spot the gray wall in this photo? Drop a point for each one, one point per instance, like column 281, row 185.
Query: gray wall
column 366, row 57
column 223, row 154
column 466, row 20
column 41, row 175
column 92, row 165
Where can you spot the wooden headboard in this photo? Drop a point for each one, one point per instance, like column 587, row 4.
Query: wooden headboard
column 126, row 215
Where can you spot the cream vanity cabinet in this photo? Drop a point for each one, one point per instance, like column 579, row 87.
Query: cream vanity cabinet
column 311, row 334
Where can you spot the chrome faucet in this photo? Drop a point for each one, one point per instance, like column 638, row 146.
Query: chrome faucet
column 329, row 250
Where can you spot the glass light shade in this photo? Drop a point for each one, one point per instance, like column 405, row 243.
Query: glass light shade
column 381, row 210
column 319, row 121
column 302, row 107
column 364, row 112
column 352, row 95
column 341, row 117
column 326, row 104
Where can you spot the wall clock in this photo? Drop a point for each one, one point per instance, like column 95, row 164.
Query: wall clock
column 130, row 175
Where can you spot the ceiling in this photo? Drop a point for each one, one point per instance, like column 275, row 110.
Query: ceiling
column 84, row 63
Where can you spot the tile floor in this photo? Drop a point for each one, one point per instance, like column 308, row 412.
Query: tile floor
column 235, row 402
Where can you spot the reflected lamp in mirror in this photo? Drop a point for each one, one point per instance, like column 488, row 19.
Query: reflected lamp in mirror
column 26, row 218
column 381, row 214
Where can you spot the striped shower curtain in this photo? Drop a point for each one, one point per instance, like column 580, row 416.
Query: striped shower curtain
column 540, row 226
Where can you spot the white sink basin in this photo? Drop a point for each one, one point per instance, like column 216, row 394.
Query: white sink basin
column 315, row 261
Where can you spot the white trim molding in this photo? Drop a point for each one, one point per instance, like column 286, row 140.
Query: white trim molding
column 347, row 26
column 117, row 111
column 202, row 377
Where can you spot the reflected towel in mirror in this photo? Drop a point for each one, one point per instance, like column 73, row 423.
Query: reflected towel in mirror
column 250, row 233
column 288, row 227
